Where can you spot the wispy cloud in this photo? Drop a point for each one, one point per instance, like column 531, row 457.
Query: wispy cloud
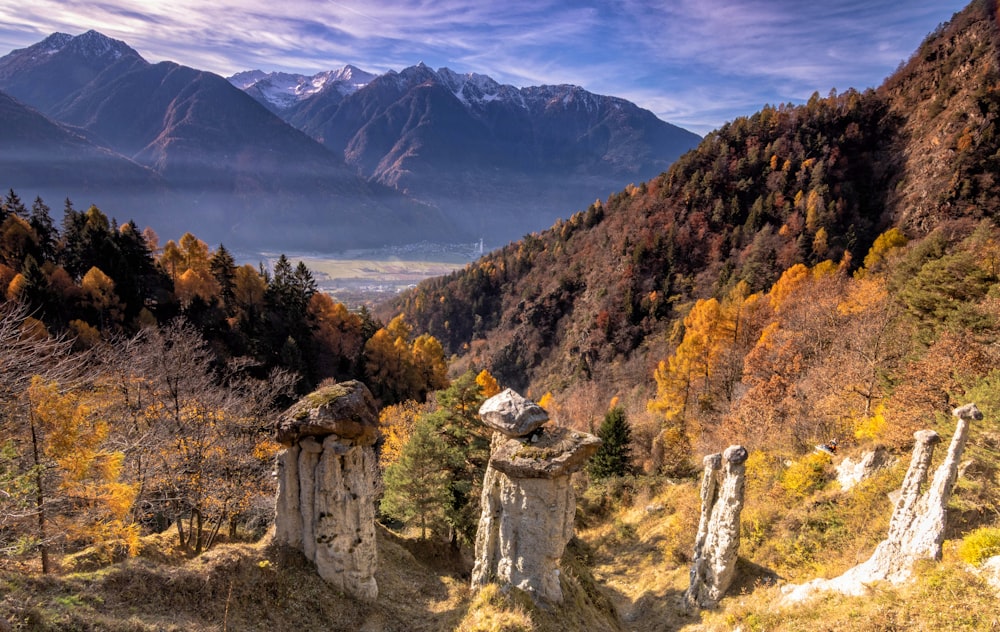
column 693, row 62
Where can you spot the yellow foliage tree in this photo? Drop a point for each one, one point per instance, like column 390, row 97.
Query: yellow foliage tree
column 401, row 370
column 196, row 283
column 678, row 378
column 430, row 363
column 547, row 401
column 488, row 384
column 397, row 422
column 99, row 290
column 883, row 246
column 16, row 287
column 94, row 505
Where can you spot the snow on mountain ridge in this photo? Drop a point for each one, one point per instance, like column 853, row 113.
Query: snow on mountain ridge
column 89, row 45
column 473, row 90
column 284, row 89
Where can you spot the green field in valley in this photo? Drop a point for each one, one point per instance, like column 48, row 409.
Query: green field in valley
column 366, row 277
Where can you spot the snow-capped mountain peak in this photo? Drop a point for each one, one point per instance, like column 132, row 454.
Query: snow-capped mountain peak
column 284, row 90
column 472, row 88
column 247, row 78
column 96, row 45
column 89, row 45
column 54, row 43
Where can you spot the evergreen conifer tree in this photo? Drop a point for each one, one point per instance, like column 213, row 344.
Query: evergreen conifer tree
column 614, row 456
column 417, row 486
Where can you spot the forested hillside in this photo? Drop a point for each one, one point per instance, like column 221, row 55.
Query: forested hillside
column 138, row 382
column 591, row 304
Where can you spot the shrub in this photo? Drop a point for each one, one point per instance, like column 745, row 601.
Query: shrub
column 806, row 475
column 980, row 545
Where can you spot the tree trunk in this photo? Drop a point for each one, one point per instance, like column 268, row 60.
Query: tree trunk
column 179, row 520
column 215, row 531
column 196, row 531
column 43, row 546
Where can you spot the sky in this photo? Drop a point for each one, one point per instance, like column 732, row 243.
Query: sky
column 694, row 63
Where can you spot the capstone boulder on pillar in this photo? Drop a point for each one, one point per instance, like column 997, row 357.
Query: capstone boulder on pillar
column 718, row 540
column 528, row 501
column 326, row 484
column 916, row 530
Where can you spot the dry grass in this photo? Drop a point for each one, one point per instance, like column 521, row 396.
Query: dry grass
column 944, row 596
column 235, row 587
column 627, row 570
column 641, row 550
column 423, row 587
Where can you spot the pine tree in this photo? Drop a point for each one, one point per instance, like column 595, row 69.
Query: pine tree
column 417, row 486
column 12, row 205
column 40, row 221
column 614, row 456
column 223, row 268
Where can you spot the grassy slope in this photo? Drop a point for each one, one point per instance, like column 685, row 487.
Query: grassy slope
column 252, row 587
column 626, row 570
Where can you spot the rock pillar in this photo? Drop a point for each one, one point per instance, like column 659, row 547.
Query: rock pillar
column 528, row 502
column 326, row 475
column 916, row 530
column 718, row 539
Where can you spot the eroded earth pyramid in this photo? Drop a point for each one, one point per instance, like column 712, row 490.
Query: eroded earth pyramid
column 916, row 530
column 528, row 502
column 326, row 475
column 718, row 539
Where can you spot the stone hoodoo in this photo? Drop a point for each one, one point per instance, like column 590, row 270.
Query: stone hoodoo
column 326, row 476
column 916, row 530
column 528, row 502
column 718, row 540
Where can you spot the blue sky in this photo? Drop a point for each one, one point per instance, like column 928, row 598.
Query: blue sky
column 695, row 63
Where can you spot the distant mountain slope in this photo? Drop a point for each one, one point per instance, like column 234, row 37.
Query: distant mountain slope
column 237, row 173
column 45, row 74
column 54, row 162
column 499, row 160
column 596, row 296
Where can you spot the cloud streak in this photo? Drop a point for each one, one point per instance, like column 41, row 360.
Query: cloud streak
column 694, row 62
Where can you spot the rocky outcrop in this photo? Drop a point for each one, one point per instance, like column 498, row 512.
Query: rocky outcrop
column 718, row 539
column 511, row 414
column 326, row 475
column 528, row 501
column 990, row 571
column 916, row 530
column 850, row 472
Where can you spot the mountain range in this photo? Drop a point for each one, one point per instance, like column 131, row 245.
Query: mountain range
column 341, row 159
column 474, row 147
column 598, row 299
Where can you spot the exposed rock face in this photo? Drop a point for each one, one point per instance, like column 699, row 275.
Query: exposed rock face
column 511, row 414
column 916, row 530
column 718, row 539
column 990, row 571
column 850, row 473
column 528, row 502
column 325, row 504
column 550, row 453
